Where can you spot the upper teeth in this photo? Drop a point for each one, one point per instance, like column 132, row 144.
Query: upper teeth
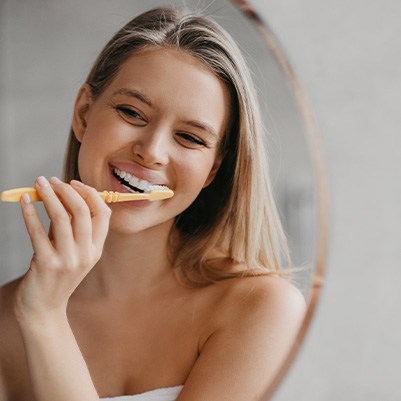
column 134, row 181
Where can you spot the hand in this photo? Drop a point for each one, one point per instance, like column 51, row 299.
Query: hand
column 79, row 225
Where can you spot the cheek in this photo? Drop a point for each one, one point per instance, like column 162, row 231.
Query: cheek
column 84, row 161
column 90, row 157
column 194, row 174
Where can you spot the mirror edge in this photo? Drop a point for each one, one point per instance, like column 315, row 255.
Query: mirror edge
column 320, row 179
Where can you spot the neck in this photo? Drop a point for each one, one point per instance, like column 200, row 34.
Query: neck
column 131, row 264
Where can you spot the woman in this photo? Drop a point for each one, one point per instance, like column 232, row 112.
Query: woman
column 181, row 298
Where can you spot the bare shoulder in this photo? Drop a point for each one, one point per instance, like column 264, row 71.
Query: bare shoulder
column 271, row 288
column 263, row 296
column 8, row 324
column 11, row 347
column 253, row 327
column 263, row 307
column 7, row 292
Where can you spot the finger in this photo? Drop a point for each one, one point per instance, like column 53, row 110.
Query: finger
column 37, row 233
column 78, row 210
column 61, row 226
column 99, row 210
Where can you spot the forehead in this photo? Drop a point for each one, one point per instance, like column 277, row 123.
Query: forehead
column 175, row 81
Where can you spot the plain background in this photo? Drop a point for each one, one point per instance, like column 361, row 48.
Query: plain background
column 347, row 55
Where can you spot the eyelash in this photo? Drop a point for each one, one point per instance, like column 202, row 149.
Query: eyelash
column 128, row 112
column 192, row 139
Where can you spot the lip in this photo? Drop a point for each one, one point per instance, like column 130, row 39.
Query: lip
column 139, row 172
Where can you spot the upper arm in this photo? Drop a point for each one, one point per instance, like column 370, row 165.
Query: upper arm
column 3, row 345
column 3, row 393
column 243, row 355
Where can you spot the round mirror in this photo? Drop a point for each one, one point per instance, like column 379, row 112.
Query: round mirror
column 47, row 49
column 297, row 163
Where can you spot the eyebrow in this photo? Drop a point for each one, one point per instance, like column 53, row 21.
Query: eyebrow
column 135, row 94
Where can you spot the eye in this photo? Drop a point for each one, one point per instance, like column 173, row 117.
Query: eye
column 190, row 140
column 130, row 113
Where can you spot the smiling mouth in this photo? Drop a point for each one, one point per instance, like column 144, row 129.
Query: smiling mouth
column 132, row 183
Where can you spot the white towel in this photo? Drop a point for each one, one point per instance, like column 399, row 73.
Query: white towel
column 159, row 394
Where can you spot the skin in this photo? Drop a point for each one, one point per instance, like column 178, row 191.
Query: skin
column 100, row 312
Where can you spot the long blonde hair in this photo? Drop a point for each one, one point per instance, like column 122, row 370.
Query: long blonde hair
column 236, row 214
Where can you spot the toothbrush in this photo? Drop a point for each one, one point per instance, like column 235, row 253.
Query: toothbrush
column 159, row 192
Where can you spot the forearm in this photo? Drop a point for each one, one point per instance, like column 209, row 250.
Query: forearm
column 79, row 226
column 56, row 365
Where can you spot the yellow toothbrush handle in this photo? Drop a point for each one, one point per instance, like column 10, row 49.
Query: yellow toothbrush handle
column 14, row 195
column 154, row 195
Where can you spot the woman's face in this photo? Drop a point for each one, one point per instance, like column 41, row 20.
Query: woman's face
column 161, row 120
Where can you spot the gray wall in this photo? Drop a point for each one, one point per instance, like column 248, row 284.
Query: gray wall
column 347, row 54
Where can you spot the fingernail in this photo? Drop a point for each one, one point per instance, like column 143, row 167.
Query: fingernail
column 42, row 181
column 55, row 180
column 26, row 198
column 76, row 183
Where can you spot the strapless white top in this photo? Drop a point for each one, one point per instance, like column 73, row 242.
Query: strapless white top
column 159, row 394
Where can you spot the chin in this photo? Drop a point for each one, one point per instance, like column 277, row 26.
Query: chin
column 127, row 225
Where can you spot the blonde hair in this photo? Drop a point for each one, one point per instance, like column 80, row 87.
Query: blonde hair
column 236, row 214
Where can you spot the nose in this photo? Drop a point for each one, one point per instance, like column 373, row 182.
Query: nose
column 151, row 147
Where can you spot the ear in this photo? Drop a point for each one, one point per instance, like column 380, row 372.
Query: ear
column 213, row 171
column 83, row 104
